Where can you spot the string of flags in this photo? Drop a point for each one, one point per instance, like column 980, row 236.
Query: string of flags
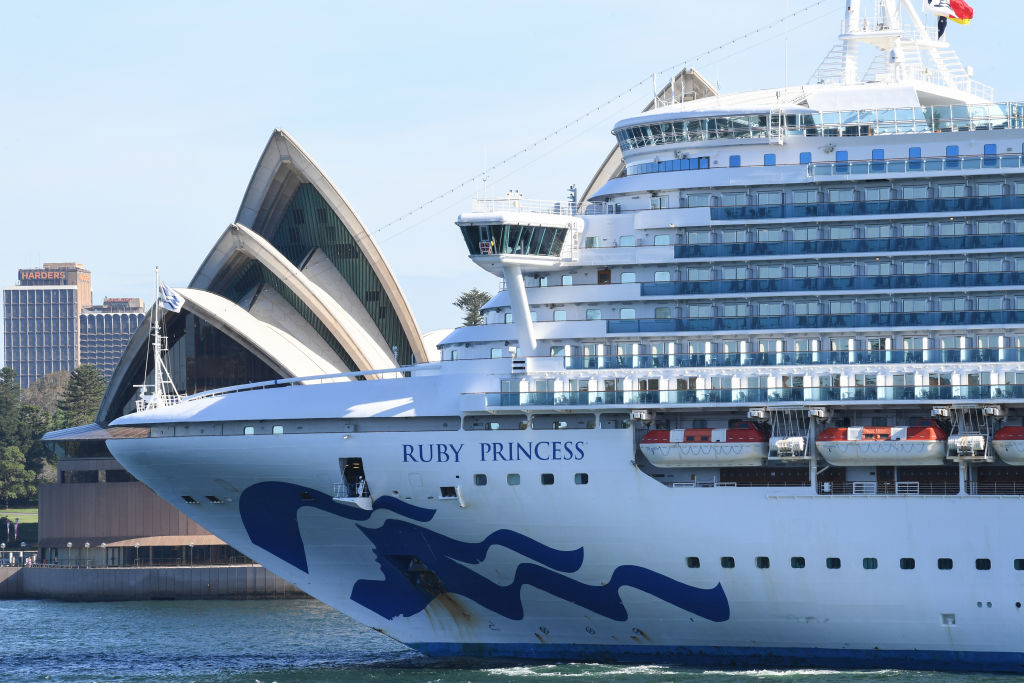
column 956, row 10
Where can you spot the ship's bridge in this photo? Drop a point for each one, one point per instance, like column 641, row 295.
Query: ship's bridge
column 522, row 232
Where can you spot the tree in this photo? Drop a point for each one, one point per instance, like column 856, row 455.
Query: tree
column 470, row 303
column 46, row 391
column 10, row 406
column 15, row 481
column 82, row 396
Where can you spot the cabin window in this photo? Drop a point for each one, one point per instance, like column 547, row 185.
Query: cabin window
column 665, row 276
column 797, row 562
column 762, row 562
column 730, row 562
column 1018, row 564
column 805, row 157
column 734, row 161
column 278, row 429
column 662, row 240
column 581, row 478
column 627, row 278
column 547, row 479
column 560, row 316
column 832, row 563
column 769, row 159
column 693, row 562
column 915, row 192
column 249, row 431
column 627, row 241
column 448, row 492
column 627, row 314
column 512, row 479
column 593, row 314
column 566, row 280
column 945, row 563
column 604, row 276
column 983, row 564
column 215, row 499
column 480, row 479
column 192, row 501
column 907, row 563
column 870, row 563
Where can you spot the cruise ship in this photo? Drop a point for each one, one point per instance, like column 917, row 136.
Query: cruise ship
column 752, row 399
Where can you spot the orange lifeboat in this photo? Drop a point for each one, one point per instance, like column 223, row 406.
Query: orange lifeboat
column 740, row 445
column 1008, row 443
column 923, row 443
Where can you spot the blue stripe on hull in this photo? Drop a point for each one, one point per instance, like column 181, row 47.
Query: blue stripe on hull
column 737, row 657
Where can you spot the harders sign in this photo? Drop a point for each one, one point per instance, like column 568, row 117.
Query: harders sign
column 33, row 276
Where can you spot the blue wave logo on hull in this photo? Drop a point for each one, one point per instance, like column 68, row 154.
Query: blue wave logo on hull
column 419, row 564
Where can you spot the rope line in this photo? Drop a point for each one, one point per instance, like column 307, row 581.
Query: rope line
column 673, row 69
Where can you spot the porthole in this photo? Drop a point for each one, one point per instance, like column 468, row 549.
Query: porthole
column 728, row 562
column 480, row 479
column 762, row 562
column 945, row 563
column 249, row 431
column 797, row 562
column 870, row 563
column 983, row 564
column 512, row 479
column 547, row 479
column 907, row 563
column 693, row 562
column 582, row 478
column 832, row 563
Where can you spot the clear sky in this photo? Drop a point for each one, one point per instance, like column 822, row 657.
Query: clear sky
column 131, row 129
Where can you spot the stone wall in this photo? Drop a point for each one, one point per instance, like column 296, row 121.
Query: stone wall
column 145, row 583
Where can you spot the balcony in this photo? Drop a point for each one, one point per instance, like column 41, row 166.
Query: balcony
column 817, row 395
column 891, row 207
column 792, row 358
column 886, row 245
column 925, row 319
column 822, row 284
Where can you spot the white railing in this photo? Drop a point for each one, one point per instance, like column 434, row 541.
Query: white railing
column 384, row 373
column 522, row 205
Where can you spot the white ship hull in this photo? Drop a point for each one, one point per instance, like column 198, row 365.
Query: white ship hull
column 527, row 570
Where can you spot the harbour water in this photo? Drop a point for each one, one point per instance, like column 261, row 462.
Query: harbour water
column 298, row 641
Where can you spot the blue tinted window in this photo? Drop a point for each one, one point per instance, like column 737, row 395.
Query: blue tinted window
column 914, row 153
column 842, row 155
column 734, row 161
column 878, row 154
column 805, row 157
column 952, row 150
column 705, row 162
column 769, row 159
column 990, row 149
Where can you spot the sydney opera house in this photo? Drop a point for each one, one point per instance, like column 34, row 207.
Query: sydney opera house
column 295, row 286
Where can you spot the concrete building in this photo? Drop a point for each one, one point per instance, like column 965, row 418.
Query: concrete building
column 41, row 319
column 105, row 331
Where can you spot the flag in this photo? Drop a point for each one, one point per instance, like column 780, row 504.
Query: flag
column 957, row 10
column 170, row 299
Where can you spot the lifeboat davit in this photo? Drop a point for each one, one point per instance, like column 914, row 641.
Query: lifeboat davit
column 740, row 445
column 1008, row 443
column 923, row 443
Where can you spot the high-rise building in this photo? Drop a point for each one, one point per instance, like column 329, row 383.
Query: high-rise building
column 41, row 318
column 105, row 331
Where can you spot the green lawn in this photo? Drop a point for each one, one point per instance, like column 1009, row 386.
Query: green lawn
column 25, row 515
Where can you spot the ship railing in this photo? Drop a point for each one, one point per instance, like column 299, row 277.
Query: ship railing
column 777, row 358
column 797, row 395
column 915, row 164
column 348, row 489
column 382, row 373
column 919, row 488
column 522, row 205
